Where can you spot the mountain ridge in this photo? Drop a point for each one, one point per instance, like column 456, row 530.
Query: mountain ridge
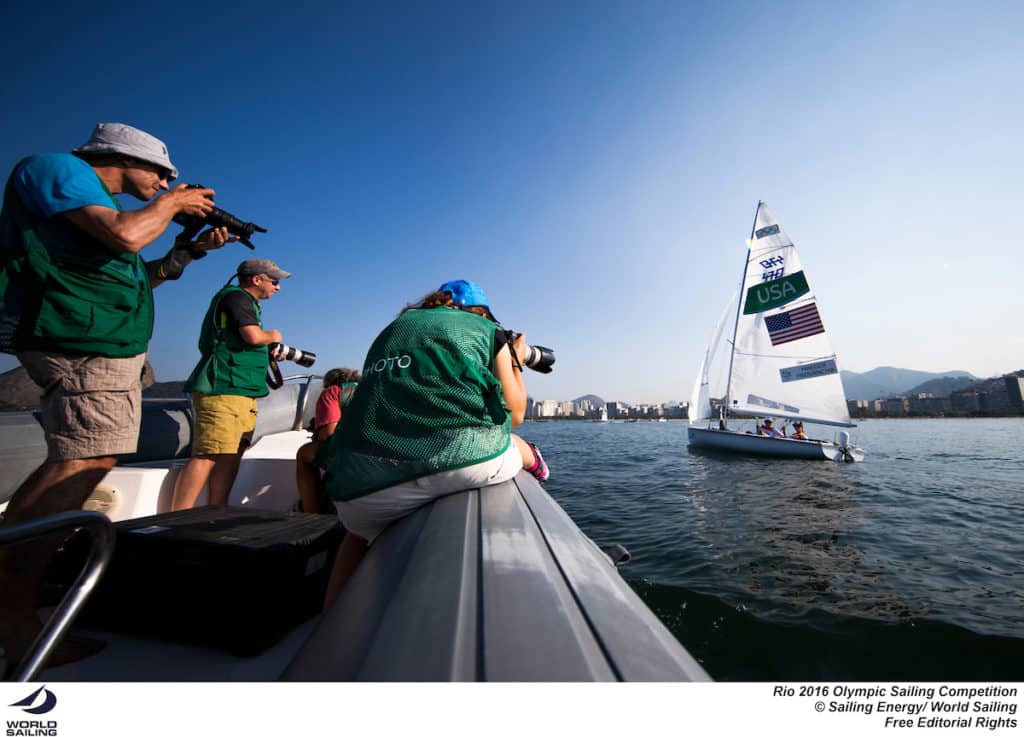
column 887, row 381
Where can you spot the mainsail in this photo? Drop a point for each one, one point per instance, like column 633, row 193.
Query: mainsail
column 783, row 363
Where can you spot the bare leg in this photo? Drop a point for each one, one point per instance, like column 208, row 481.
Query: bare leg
column 350, row 553
column 52, row 488
column 307, row 477
column 225, row 471
column 524, row 450
column 190, row 481
column 58, row 486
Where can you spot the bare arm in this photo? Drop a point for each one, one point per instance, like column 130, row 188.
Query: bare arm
column 512, row 385
column 325, row 431
column 255, row 335
column 131, row 231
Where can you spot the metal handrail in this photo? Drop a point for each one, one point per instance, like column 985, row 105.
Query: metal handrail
column 103, row 540
column 300, row 409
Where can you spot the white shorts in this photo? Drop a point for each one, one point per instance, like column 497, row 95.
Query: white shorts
column 368, row 515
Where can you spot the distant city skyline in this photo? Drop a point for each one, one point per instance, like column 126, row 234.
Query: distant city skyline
column 595, row 168
column 895, row 386
column 1005, row 396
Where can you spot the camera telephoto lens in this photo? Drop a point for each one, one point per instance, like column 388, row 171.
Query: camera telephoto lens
column 288, row 353
column 540, row 358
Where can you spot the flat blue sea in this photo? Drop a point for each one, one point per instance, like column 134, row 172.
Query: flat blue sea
column 909, row 566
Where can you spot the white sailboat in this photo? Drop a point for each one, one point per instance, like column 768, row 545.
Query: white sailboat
column 781, row 363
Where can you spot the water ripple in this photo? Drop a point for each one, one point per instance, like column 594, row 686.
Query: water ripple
column 927, row 530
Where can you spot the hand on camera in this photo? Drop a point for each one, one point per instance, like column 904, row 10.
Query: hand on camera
column 214, row 238
column 193, row 201
column 521, row 348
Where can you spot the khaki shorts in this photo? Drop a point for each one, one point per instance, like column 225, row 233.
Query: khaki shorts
column 91, row 405
column 367, row 516
column 223, row 423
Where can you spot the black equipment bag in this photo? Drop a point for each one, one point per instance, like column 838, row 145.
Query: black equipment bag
column 227, row 577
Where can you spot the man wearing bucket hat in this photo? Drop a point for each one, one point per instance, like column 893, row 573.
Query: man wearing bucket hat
column 224, row 385
column 76, row 307
column 433, row 414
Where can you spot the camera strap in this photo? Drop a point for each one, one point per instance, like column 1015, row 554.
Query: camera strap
column 516, row 363
column 274, row 379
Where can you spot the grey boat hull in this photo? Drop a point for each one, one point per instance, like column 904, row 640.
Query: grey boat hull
column 732, row 441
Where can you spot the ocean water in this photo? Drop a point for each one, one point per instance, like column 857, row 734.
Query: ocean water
column 908, row 566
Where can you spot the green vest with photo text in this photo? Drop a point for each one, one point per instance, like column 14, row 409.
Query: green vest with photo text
column 428, row 402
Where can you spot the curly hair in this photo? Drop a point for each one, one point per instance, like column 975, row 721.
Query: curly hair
column 339, row 376
column 444, row 299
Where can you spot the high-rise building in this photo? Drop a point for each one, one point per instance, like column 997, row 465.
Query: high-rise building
column 1015, row 390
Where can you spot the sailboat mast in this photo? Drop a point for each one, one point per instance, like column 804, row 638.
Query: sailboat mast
column 739, row 306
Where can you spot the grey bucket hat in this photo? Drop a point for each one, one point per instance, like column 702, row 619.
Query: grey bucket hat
column 118, row 138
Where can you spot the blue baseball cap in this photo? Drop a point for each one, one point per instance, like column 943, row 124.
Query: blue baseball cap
column 466, row 294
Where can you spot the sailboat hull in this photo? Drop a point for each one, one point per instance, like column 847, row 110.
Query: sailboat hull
column 731, row 441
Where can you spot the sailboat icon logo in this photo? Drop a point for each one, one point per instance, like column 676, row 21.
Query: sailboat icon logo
column 29, row 705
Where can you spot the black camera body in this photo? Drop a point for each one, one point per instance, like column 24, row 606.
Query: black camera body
column 538, row 357
column 287, row 353
column 218, row 218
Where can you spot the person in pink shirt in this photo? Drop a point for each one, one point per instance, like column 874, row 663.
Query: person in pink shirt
column 339, row 386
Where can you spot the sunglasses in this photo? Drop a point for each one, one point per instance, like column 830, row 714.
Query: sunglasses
column 275, row 282
column 164, row 174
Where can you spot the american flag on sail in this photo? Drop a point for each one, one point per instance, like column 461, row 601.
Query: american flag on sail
column 794, row 325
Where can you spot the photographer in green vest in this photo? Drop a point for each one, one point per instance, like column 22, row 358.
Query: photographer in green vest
column 224, row 385
column 441, row 388
column 76, row 307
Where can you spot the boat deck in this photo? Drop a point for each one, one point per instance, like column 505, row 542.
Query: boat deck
column 493, row 584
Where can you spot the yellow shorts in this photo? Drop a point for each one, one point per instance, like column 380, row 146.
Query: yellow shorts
column 224, row 423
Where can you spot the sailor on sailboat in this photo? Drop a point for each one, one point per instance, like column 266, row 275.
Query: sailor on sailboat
column 781, row 360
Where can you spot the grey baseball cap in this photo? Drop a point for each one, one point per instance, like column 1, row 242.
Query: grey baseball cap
column 118, row 138
column 256, row 266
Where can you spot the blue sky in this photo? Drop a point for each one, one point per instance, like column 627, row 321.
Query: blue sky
column 595, row 166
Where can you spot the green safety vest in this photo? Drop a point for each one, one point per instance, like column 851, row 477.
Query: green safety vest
column 229, row 365
column 428, row 402
column 63, row 291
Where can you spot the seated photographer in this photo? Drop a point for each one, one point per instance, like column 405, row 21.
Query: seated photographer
column 224, row 385
column 338, row 387
column 441, row 389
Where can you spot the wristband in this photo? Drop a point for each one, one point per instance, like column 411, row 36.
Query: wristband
column 171, row 266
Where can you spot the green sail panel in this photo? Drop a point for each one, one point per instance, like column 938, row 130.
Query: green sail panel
column 775, row 293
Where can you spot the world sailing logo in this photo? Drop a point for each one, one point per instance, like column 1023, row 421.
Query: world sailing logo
column 40, row 701
column 49, row 701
